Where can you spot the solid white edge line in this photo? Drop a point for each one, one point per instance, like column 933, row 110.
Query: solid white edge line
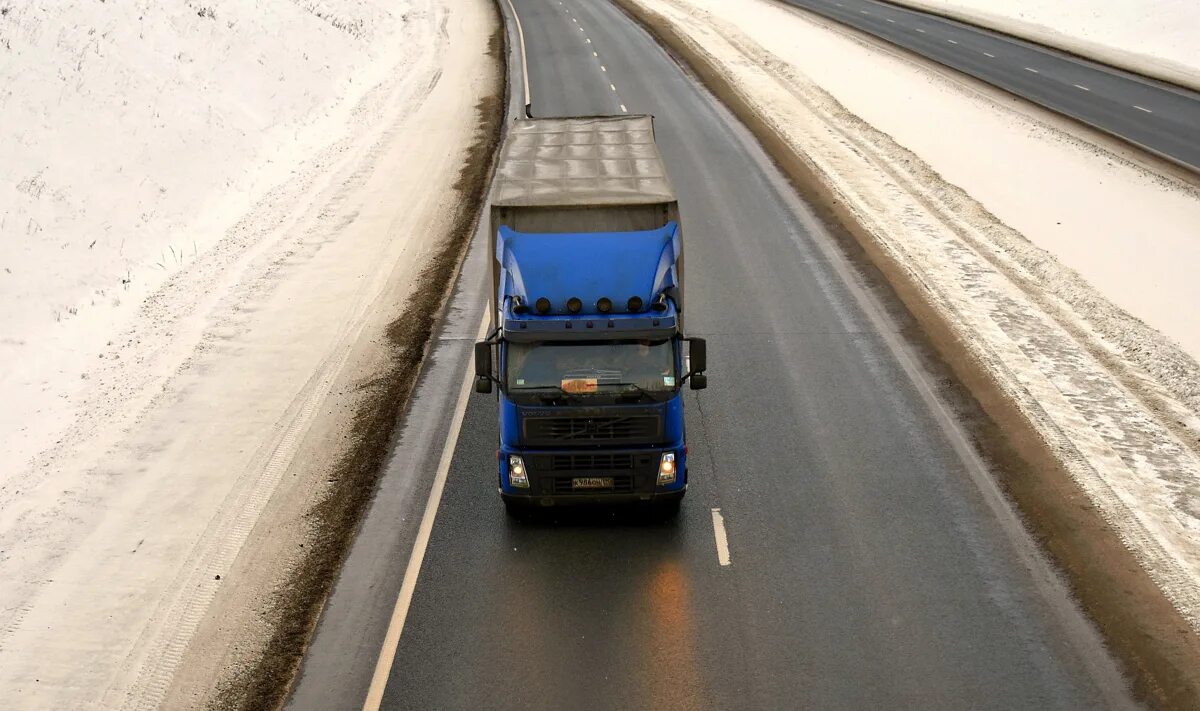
column 718, row 522
column 391, row 641
column 524, row 60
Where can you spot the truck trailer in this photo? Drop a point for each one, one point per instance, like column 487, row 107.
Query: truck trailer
column 586, row 345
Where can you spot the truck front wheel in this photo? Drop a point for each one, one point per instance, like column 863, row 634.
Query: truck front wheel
column 668, row 508
column 516, row 511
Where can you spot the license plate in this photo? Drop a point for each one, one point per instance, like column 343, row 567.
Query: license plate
column 592, row 482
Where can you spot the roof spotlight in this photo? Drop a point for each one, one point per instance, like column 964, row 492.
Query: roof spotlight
column 574, row 305
column 604, row 304
column 542, row 305
column 635, row 304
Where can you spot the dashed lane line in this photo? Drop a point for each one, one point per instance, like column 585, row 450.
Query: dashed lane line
column 718, row 522
column 1142, row 108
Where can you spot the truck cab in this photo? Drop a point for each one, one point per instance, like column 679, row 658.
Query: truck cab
column 587, row 351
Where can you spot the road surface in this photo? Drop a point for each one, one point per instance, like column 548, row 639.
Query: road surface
column 1159, row 117
column 870, row 561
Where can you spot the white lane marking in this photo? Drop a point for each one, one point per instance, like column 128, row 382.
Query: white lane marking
column 623, row 109
column 581, row 29
column 1030, row 69
column 952, row 42
column 988, row 54
column 863, row 12
column 524, row 57
column 610, row 86
column 890, row 20
column 595, row 55
column 603, row 68
column 574, row 20
column 920, row 30
column 589, row 40
column 391, row 640
column 1082, row 87
column 719, row 534
column 1139, row 108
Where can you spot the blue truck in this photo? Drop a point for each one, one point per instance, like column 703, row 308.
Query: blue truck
column 586, row 348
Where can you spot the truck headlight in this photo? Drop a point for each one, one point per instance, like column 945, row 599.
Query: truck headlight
column 517, row 476
column 666, row 469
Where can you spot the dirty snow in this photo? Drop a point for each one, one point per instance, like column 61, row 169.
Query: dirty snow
column 1157, row 38
column 200, row 207
column 975, row 206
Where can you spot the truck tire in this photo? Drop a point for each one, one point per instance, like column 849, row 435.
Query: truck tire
column 667, row 509
column 516, row 511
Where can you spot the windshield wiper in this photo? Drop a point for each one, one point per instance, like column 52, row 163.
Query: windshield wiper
column 559, row 393
column 635, row 390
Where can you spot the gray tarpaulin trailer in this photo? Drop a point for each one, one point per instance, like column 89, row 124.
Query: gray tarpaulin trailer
column 581, row 174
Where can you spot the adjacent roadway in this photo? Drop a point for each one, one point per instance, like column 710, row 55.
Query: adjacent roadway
column 1161, row 118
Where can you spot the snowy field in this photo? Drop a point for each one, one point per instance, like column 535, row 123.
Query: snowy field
column 209, row 212
column 1158, row 38
column 996, row 215
column 134, row 136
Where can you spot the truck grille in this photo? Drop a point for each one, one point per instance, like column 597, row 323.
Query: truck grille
column 587, row 430
column 590, row 462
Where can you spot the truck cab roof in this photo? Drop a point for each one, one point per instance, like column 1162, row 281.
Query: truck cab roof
column 589, row 285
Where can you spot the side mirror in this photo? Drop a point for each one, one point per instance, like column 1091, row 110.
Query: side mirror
column 483, row 367
column 698, row 353
column 699, row 381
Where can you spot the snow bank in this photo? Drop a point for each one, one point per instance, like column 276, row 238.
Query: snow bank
column 211, row 213
column 1115, row 401
column 1156, row 38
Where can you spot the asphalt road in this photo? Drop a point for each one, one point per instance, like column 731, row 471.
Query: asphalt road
column 872, row 563
column 1159, row 117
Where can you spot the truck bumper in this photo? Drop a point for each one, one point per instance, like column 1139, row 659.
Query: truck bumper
column 547, row 500
column 633, row 475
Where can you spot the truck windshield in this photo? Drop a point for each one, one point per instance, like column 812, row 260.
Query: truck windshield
column 638, row 370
